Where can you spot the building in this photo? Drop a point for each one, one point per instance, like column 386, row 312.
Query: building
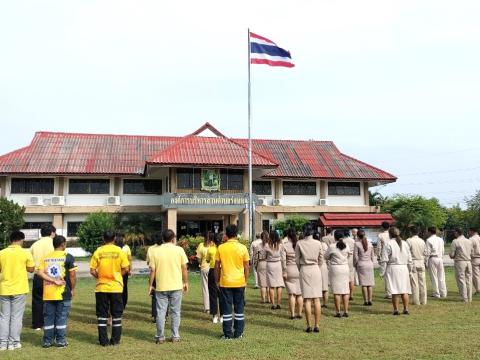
column 190, row 183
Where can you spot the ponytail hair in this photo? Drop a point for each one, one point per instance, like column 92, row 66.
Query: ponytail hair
column 265, row 237
column 274, row 239
column 361, row 236
column 339, row 239
column 394, row 233
column 292, row 236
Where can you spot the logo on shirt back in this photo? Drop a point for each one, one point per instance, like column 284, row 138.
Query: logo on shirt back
column 54, row 271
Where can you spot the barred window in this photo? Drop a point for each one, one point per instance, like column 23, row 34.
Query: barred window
column 299, row 188
column 344, row 188
column 262, row 187
column 142, row 186
column 32, row 186
column 89, row 186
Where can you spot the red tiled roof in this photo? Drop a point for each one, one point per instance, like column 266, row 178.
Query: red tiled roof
column 211, row 151
column 354, row 220
column 100, row 154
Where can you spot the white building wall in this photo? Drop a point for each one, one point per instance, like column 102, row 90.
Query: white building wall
column 337, row 200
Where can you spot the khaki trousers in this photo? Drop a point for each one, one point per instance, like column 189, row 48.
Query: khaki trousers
column 419, row 285
column 437, row 275
column 476, row 274
column 204, row 280
column 463, row 275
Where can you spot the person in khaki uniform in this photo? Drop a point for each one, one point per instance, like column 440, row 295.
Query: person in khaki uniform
column 351, row 245
column 328, row 239
column 434, row 251
column 383, row 238
column 475, row 238
column 417, row 276
column 461, row 251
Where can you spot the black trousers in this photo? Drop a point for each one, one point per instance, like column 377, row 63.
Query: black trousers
column 109, row 304
column 37, row 302
column 125, row 291
column 214, row 294
column 154, row 301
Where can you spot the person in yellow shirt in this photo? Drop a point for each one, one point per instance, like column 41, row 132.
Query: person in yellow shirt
column 39, row 250
column 204, row 268
column 231, row 273
column 58, row 271
column 14, row 265
column 158, row 240
column 108, row 265
column 213, row 290
column 168, row 267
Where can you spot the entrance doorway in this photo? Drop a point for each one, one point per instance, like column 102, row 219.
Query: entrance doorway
column 198, row 227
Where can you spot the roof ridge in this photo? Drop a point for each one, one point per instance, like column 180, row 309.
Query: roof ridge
column 104, row 134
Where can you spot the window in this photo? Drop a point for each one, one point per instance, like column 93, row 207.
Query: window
column 231, row 179
column 344, row 188
column 89, row 186
column 72, row 228
column 262, row 187
column 299, row 188
column 34, row 225
column 189, row 178
column 32, row 186
column 131, row 186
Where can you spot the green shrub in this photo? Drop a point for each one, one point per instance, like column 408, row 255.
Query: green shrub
column 142, row 252
column 11, row 219
column 293, row 221
column 90, row 232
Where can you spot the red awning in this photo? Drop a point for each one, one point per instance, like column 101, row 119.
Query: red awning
column 354, row 220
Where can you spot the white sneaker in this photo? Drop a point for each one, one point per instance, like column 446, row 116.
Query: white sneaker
column 215, row 319
column 221, row 319
column 17, row 346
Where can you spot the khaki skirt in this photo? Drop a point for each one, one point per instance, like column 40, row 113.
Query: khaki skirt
column 311, row 281
column 339, row 276
column 262, row 273
column 293, row 280
column 274, row 274
column 324, row 271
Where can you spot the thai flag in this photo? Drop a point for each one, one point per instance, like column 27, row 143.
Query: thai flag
column 265, row 51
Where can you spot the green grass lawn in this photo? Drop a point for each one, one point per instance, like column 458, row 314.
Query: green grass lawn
column 444, row 329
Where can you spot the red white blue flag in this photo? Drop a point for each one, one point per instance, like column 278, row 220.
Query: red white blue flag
column 265, row 51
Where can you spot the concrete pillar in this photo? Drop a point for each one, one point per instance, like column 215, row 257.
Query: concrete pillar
column 233, row 219
column 172, row 219
column 244, row 223
column 173, row 180
column 61, row 186
column 245, row 182
column 278, row 189
column 3, row 186
column 117, row 186
column 258, row 223
column 323, row 189
column 58, row 221
column 365, row 193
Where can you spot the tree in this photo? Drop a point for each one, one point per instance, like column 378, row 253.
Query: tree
column 296, row 222
column 90, row 232
column 472, row 214
column 11, row 219
column 375, row 198
column 408, row 210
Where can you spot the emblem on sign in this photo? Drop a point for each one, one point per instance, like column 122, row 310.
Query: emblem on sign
column 54, row 271
column 210, row 180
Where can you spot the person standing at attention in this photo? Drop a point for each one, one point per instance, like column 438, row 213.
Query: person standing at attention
column 395, row 268
column 260, row 264
column 275, row 281
column 309, row 259
column 363, row 256
column 120, row 242
column 108, row 265
column 475, row 238
column 434, row 251
column 417, row 279
column 461, row 252
column 15, row 263
column 204, row 268
column 291, row 275
column 383, row 237
column 39, row 250
column 328, row 239
column 157, row 241
column 168, row 268
column 339, row 273
column 58, row 271
column 253, row 245
column 324, row 271
column 231, row 273
column 351, row 245
column 213, row 290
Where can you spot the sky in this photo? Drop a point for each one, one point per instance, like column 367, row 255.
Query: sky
column 393, row 83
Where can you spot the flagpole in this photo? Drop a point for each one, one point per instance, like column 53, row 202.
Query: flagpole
column 250, row 175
